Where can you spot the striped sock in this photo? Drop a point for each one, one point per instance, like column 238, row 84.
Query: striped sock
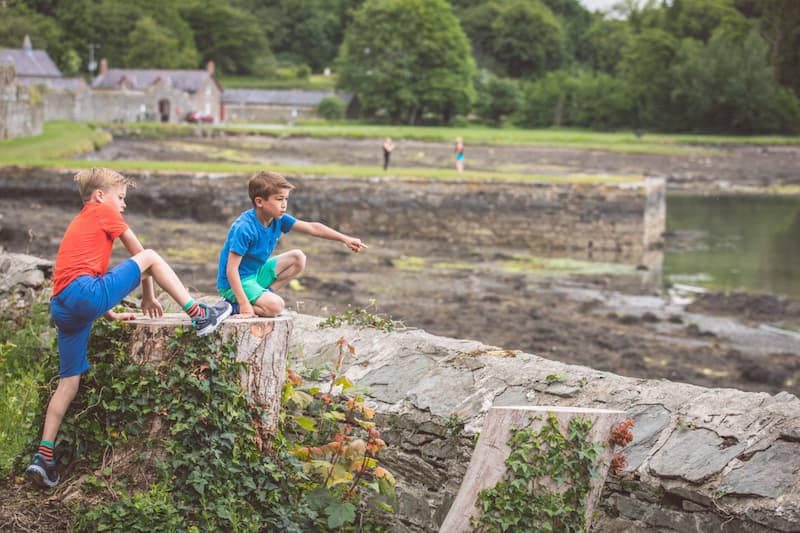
column 46, row 449
column 194, row 310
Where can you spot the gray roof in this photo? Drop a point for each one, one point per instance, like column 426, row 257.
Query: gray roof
column 29, row 63
column 141, row 79
column 289, row 97
column 68, row 84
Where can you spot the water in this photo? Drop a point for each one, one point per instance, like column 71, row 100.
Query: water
column 741, row 243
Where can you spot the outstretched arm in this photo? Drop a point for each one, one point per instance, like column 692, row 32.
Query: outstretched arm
column 317, row 229
column 150, row 306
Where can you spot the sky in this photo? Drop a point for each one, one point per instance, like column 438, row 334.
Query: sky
column 595, row 5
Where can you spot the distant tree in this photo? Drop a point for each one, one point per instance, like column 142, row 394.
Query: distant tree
column 698, row 19
column 409, row 59
column 780, row 27
column 645, row 69
column 231, row 38
column 498, row 98
column 477, row 21
column 545, row 101
column 17, row 21
column 150, row 46
column 607, row 38
column 724, row 87
column 528, row 39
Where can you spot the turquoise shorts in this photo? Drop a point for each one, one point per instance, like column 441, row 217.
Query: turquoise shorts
column 257, row 284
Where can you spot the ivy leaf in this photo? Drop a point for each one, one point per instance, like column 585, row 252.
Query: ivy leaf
column 309, row 424
column 340, row 514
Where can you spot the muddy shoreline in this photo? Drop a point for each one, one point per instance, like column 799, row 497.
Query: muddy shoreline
column 622, row 323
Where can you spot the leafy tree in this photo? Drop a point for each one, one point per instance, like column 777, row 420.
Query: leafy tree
column 780, row 27
column 607, row 38
column 477, row 21
column 529, row 39
column 498, row 98
column 725, row 87
column 408, row 58
column 150, row 46
column 544, row 101
column 228, row 36
column 17, row 20
column 645, row 70
column 698, row 19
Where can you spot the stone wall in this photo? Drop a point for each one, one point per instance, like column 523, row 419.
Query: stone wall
column 267, row 113
column 599, row 221
column 701, row 460
column 21, row 108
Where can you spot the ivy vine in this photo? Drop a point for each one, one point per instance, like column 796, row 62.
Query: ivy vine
column 548, row 476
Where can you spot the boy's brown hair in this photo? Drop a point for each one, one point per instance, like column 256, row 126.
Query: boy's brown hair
column 91, row 179
column 265, row 184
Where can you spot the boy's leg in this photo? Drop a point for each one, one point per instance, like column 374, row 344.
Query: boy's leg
column 65, row 392
column 288, row 265
column 150, row 263
column 268, row 304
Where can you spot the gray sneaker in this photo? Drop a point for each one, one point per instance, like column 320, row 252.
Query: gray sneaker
column 42, row 472
column 214, row 317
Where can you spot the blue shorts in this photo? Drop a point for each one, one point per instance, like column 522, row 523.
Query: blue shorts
column 83, row 301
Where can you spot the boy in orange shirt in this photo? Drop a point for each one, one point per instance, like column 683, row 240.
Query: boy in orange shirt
column 84, row 290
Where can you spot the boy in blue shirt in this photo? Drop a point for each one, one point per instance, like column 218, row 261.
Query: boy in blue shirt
column 247, row 275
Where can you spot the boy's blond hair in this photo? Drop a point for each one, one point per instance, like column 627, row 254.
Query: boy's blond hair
column 91, row 179
column 265, row 184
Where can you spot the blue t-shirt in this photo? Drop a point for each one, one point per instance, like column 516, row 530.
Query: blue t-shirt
column 252, row 240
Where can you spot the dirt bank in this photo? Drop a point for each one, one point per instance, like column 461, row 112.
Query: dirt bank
column 621, row 323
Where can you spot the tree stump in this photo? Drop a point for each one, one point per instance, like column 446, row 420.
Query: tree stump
column 487, row 466
column 262, row 343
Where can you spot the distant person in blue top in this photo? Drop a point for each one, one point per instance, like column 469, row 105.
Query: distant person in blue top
column 248, row 277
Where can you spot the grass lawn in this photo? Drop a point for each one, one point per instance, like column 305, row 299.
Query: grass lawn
column 63, row 140
column 60, row 140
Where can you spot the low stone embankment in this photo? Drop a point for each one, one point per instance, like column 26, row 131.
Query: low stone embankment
column 701, row 460
column 606, row 221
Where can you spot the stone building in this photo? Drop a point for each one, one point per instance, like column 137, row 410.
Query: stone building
column 259, row 105
column 33, row 67
column 128, row 95
column 21, row 109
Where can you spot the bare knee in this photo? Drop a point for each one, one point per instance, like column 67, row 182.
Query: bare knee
column 270, row 304
column 146, row 259
column 298, row 258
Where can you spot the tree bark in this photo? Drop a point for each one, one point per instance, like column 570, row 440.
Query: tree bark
column 262, row 343
column 487, row 466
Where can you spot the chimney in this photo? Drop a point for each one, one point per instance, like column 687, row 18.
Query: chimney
column 210, row 68
column 103, row 67
column 26, row 45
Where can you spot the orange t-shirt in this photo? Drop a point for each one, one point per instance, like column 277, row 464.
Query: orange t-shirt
column 86, row 246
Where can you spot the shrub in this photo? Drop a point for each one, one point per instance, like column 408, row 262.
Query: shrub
column 331, row 108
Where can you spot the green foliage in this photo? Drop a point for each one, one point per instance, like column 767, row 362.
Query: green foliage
column 358, row 317
column 150, row 46
column 528, row 39
column 210, row 473
column 498, row 98
column 725, row 86
column 333, row 435
column 547, row 479
column 229, row 36
column 331, row 108
column 27, row 362
column 408, row 59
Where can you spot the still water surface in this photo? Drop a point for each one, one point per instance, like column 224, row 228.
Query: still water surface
column 745, row 243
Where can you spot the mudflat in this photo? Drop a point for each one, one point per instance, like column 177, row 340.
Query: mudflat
column 628, row 323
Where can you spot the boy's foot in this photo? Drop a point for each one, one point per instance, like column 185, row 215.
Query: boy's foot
column 234, row 307
column 42, row 472
column 214, row 317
